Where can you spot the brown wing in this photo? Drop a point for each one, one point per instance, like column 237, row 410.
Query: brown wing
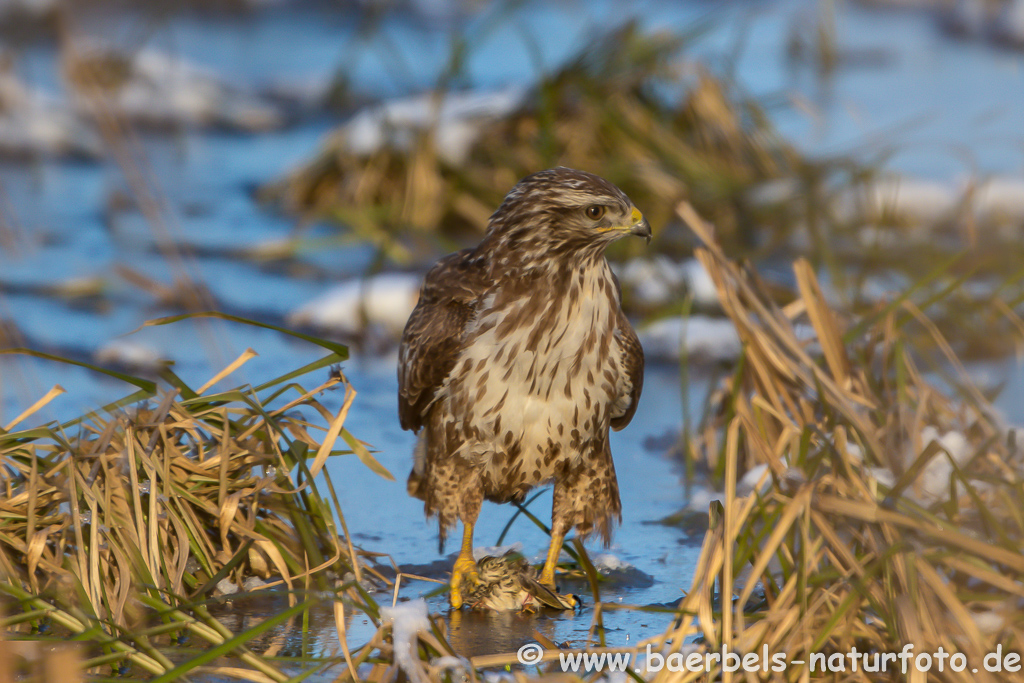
column 433, row 337
column 633, row 363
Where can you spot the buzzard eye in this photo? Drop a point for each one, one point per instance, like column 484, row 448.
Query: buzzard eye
column 595, row 212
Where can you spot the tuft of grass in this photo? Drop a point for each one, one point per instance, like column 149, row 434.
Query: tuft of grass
column 117, row 528
column 626, row 107
column 887, row 513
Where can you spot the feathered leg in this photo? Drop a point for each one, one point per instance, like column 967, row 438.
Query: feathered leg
column 465, row 567
column 464, row 574
column 586, row 497
column 450, row 489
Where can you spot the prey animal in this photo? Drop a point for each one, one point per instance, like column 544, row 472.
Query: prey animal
column 518, row 359
column 509, row 583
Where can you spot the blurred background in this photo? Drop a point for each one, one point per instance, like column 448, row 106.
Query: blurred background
column 249, row 155
column 303, row 162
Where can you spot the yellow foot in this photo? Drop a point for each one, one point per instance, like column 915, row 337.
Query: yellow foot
column 464, row 577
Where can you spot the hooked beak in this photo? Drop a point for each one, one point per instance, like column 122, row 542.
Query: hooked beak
column 640, row 226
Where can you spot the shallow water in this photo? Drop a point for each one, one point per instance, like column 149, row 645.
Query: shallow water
column 650, row 489
column 947, row 108
column 382, row 517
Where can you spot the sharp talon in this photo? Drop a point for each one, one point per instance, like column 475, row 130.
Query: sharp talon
column 464, row 577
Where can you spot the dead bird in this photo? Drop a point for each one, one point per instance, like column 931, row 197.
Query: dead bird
column 509, row 582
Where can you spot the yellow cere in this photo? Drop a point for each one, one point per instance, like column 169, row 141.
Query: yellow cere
column 634, row 218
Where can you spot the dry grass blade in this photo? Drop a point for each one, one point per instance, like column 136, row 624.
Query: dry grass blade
column 246, row 356
column 35, row 407
column 825, row 326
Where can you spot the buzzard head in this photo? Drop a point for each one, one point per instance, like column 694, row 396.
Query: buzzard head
column 563, row 211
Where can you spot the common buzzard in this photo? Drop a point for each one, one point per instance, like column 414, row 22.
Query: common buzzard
column 517, row 360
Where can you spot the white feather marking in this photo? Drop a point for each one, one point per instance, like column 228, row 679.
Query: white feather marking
column 536, row 403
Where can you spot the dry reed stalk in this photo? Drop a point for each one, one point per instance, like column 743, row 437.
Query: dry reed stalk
column 141, row 509
column 850, row 542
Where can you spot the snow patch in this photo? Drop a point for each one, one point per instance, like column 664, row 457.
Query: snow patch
column 699, row 283
column 32, row 8
column 988, row 622
column 1000, row 197
column 159, row 89
column 930, row 202
column 496, row 550
column 607, row 563
column 37, row 123
column 407, row 619
column 883, row 475
column 380, row 302
column 450, row 663
column 128, row 354
column 253, row 583
column 456, row 119
column 660, row 281
column 700, row 337
column 748, row 482
column 933, row 482
column 701, row 497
